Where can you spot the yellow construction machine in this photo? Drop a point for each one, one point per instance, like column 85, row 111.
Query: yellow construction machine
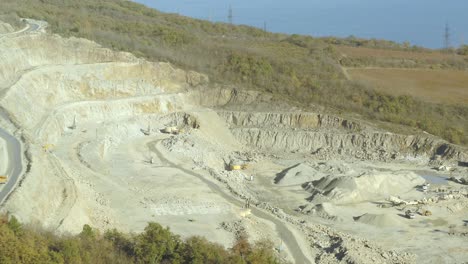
column 3, row 179
column 48, row 147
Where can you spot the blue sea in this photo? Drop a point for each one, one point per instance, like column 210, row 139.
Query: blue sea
column 421, row 22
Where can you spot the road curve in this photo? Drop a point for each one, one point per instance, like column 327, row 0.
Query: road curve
column 15, row 164
column 13, row 145
column 284, row 233
column 31, row 26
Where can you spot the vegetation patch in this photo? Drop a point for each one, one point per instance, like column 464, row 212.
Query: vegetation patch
column 23, row 244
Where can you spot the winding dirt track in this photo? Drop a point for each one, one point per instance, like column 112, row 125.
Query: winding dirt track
column 15, row 166
column 284, row 233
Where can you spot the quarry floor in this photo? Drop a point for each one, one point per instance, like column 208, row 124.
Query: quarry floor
column 132, row 179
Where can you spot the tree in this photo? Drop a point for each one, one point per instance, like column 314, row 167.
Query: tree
column 156, row 245
column 15, row 225
column 198, row 250
column 242, row 246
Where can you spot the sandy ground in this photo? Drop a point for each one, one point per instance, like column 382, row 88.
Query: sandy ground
column 426, row 236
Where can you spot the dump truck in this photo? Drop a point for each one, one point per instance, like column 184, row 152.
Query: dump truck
column 171, row 130
column 3, row 179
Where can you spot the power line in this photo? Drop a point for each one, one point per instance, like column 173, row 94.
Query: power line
column 447, row 36
column 230, row 16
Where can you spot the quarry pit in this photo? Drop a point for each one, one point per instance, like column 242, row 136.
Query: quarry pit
column 94, row 123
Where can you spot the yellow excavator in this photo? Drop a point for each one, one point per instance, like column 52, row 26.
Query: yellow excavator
column 3, row 179
column 48, row 147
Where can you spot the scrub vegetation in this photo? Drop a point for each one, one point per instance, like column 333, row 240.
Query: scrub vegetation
column 22, row 244
column 304, row 69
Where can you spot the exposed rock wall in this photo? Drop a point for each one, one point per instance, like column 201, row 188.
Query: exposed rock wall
column 300, row 120
column 328, row 136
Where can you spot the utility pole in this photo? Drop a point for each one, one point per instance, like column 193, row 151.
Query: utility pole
column 230, row 16
column 264, row 26
column 447, row 37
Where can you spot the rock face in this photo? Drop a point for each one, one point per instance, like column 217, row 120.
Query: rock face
column 328, row 136
column 287, row 120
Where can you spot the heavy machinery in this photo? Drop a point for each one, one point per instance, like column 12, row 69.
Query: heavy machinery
column 426, row 213
column 234, row 167
column 171, row 130
column 409, row 214
column 73, row 126
column 3, row 179
column 237, row 165
column 48, row 147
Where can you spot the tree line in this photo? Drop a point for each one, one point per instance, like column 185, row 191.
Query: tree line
column 156, row 244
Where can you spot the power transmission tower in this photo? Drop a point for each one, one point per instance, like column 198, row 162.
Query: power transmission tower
column 230, row 15
column 447, row 37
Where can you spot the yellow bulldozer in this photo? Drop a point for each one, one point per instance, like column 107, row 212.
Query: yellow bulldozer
column 3, row 179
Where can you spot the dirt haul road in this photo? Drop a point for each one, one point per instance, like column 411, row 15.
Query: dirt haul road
column 284, row 233
column 13, row 145
column 15, row 165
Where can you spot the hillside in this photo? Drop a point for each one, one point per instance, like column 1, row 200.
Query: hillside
column 437, row 86
column 271, row 141
column 302, row 69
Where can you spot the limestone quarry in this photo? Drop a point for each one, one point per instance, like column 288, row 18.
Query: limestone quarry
column 93, row 125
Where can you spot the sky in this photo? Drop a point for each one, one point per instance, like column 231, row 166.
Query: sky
column 421, row 22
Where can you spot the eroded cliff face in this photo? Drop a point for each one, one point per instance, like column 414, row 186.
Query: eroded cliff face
column 294, row 120
column 255, row 121
column 328, row 136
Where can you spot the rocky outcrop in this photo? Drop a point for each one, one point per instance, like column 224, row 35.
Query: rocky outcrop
column 234, row 99
column 299, row 120
column 328, row 136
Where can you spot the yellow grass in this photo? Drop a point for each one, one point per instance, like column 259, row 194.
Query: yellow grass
column 354, row 52
column 440, row 86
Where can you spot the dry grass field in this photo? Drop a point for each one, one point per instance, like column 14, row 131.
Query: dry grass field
column 357, row 52
column 439, row 86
